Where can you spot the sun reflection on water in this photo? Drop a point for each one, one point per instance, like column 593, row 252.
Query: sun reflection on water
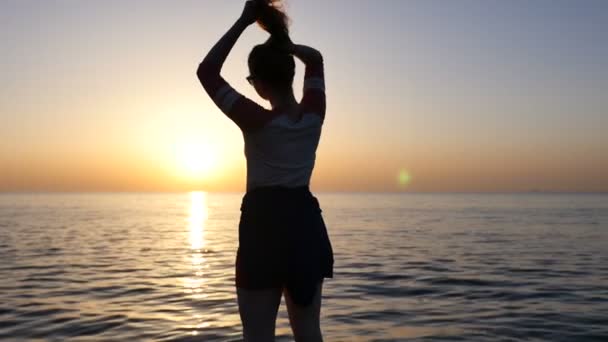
column 196, row 225
column 197, row 218
column 199, row 285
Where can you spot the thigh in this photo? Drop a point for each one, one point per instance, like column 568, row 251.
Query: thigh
column 305, row 320
column 258, row 311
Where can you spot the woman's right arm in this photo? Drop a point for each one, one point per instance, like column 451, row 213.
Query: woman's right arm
column 313, row 99
column 247, row 114
column 208, row 71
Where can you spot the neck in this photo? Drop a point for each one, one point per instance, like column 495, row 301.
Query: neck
column 283, row 100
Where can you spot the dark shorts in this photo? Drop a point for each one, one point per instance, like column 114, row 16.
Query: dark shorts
column 283, row 242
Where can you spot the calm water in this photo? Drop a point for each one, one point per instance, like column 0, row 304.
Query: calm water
column 110, row 267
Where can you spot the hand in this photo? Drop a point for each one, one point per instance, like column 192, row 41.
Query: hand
column 283, row 43
column 250, row 13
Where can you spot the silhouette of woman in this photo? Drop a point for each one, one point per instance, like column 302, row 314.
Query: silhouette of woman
column 284, row 247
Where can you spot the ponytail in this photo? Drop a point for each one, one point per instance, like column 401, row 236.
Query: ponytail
column 273, row 19
column 271, row 62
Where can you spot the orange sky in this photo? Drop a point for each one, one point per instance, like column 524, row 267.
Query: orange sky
column 103, row 96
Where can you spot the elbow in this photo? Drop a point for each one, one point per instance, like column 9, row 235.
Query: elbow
column 202, row 71
column 317, row 56
column 209, row 76
column 207, row 70
column 316, row 59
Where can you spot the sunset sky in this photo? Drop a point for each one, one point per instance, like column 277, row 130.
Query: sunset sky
column 422, row 95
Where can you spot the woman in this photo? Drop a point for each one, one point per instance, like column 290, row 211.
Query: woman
column 283, row 243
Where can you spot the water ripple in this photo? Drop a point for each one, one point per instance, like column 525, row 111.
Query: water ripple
column 107, row 267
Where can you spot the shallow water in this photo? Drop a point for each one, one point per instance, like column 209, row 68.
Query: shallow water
column 424, row 267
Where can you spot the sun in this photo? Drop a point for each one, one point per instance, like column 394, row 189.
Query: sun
column 194, row 159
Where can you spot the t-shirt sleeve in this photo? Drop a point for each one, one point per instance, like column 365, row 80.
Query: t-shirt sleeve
column 313, row 99
column 247, row 114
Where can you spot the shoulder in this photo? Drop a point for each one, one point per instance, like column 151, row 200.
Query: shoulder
column 249, row 115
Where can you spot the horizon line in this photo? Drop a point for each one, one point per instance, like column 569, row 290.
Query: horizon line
column 530, row 192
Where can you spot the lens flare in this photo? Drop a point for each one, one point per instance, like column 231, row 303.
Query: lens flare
column 404, row 178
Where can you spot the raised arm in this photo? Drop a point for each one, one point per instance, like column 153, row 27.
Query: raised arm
column 247, row 114
column 308, row 55
column 313, row 99
column 209, row 70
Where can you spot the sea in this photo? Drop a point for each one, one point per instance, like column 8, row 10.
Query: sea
column 408, row 267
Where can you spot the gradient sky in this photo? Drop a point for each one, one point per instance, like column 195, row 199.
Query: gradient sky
column 448, row 95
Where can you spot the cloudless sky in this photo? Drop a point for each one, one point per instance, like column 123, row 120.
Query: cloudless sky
column 422, row 95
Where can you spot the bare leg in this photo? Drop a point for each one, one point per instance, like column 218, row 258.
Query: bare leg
column 305, row 320
column 258, row 311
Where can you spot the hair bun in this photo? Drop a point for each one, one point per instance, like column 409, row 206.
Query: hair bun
column 273, row 19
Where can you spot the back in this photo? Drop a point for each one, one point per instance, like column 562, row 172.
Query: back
column 282, row 152
column 279, row 151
